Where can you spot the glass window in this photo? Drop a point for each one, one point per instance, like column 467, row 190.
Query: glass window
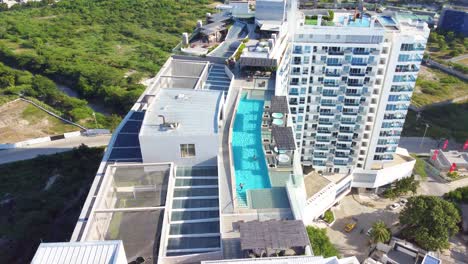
column 187, row 150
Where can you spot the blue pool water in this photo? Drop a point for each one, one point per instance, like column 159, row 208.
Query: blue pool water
column 249, row 160
column 359, row 22
column 386, row 20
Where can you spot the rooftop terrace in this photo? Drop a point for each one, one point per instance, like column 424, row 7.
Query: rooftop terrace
column 188, row 111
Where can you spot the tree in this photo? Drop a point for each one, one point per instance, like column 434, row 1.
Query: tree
column 321, row 245
column 402, row 187
column 430, row 221
column 459, row 195
column 380, row 232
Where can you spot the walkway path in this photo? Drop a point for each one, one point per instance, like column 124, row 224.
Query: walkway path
column 459, row 58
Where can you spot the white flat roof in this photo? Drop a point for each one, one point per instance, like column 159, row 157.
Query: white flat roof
column 195, row 111
column 98, row 252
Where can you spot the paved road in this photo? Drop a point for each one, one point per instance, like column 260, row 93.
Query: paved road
column 52, row 147
column 434, row 185
column 461, row 57
column 413, row 144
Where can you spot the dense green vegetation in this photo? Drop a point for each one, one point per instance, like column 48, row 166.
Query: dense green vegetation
column 429, row 221
column 42, row 198
column 420, row 167
column 459, row 195
column 102, row 49
column 445, row 45
column 434, row 86
column 328, row 217
column 444, row 121
column 321, row 245
column 16, row 82
column 402, row 187
column 380, row 232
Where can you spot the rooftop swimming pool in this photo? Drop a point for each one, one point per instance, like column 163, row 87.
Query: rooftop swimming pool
column 387, row 20
column 249, row 160
column 358, row 22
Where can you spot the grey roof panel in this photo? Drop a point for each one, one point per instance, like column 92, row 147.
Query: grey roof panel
column 273, row 234
column 284, row 138
column 279, row 104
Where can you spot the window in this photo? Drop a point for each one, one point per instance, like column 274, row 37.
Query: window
column 187, row 150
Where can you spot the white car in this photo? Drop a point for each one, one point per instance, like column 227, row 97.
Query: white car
column 395, row 206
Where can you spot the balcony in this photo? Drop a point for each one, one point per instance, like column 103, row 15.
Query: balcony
column 341, row 139
column 352, row 94
column 334, row 64
column 297, row 51
column 359, row 74
column 331, row 84
column 333, row 104
column 348, row 122
column 326, row 113
column 324, row 132
column 325, row 123
column 402, row 89
column 352, row 103
column 335, row 52
column 344, row 131
column 333, row 74
column 350, row 113
column 295, row 73
column 360, row 52
column 359, row 63
column 352, row 84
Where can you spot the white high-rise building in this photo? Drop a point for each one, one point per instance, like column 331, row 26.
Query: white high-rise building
column 351, row 81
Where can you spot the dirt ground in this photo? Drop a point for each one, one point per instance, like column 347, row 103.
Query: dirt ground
column 21, row 121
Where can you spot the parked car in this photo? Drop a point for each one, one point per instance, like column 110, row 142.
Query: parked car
column 369, row 232
column 349, row 227
column 403, row 201
column 395, row 206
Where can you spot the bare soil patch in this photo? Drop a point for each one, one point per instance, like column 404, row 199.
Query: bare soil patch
column 21, row 121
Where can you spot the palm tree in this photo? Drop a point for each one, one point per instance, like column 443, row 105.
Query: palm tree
column 380, row 232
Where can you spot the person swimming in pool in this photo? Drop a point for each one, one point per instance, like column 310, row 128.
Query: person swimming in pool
column 241, row 185
column 254, row 157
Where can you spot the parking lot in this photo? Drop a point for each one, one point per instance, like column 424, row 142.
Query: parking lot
column 367, row 209
column 358, row 209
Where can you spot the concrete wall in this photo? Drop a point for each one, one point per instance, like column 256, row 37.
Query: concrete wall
column 319, row 203
column 377, row 178
column 156, row 148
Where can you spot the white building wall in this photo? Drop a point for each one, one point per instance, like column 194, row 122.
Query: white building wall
column 167, row 148
column 382, row 147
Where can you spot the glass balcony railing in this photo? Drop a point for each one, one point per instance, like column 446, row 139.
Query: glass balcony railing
column 333, row 74
column 355, row 84
column 359, row 63
column 335, row 52
column 350, row 113
column 357, row 74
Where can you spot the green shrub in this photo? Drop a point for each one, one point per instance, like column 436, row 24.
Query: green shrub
column 459, row 195
column 329, row 217
column 453, row 175
column 321, row 245
column 402, row 187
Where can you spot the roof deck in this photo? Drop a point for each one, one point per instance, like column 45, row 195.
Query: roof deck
column 181, row 111
column 130, row 206
column 314, row 183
